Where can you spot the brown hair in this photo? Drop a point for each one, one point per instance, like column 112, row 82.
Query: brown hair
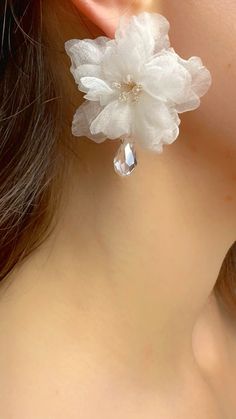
column 28, row 133
column 29, row 146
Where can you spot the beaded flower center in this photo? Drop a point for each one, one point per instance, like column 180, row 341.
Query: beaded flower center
column 129, row 90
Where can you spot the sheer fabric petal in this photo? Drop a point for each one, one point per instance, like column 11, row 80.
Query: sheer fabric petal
column 121, row 60
column 148, row 31
column 87, row 70
column 82, row 120
column 135, row 44
column 200, row 83
column 154, row 128
column 192, row 103
column 201, row 77
column 113, row 121
column 97, row 90
column 86, row 51
column 166, row 79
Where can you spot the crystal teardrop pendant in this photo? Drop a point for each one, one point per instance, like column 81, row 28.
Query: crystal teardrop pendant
column 125, row 159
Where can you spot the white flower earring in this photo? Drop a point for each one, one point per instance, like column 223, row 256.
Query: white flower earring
column 135, row 86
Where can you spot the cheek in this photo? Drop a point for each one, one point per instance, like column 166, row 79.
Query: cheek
column 208, row 29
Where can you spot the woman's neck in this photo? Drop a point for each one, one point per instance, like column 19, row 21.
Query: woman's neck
column 137, row 258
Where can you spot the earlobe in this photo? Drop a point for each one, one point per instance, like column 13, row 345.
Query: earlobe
column 105, row 14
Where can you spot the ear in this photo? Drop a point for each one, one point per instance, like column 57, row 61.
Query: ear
column 105, row 14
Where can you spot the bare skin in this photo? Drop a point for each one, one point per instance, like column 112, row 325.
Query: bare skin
column 114, row 316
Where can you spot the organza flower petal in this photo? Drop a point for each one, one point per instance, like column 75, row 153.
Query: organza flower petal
column 201, row 77
column 95, row 84
column 192, row 103
column 113, row 121
column 86, row 51
column 87, row 70
column 97, row 90
column 82, row 120
column 121, row 60
column 147, row 31
column 135, row 44
column 166, row 79
column 155, row 124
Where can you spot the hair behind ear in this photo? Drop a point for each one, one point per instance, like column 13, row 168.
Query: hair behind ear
column 28, row 124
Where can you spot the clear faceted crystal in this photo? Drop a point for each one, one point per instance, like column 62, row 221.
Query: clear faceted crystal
column 125, row 160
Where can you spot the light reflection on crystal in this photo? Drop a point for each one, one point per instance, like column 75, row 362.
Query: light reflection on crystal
column 125, row 160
